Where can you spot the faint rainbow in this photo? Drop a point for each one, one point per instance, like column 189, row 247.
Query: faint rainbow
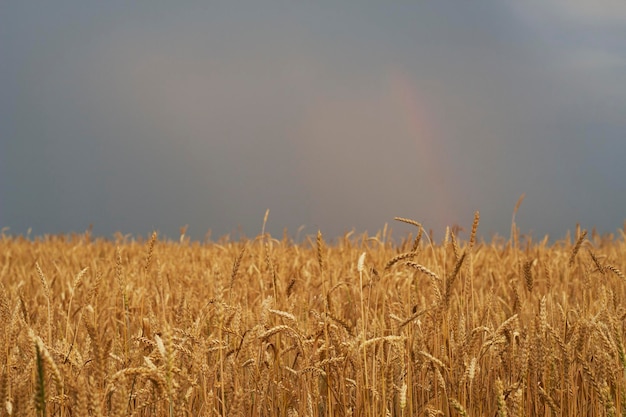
column 429, row 153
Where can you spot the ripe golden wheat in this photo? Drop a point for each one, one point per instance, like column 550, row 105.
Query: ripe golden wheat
column 267, row 327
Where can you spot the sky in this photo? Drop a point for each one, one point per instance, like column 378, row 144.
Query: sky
column 338, row 116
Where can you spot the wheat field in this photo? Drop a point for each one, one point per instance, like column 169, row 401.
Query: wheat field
column 363, row 326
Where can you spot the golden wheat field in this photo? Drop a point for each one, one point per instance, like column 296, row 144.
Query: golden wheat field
column 361, row 326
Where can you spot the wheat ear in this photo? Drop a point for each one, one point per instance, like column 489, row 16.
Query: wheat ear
column 46, row 291
column 579, row 242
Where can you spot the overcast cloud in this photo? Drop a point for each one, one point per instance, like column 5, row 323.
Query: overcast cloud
column 149, row 115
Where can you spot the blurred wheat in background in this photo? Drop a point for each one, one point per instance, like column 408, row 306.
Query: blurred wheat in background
column 364, row 326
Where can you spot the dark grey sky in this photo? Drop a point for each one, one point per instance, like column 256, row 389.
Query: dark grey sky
column 134, row 116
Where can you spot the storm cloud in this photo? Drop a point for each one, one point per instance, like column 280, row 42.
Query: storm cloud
column 147, row 116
